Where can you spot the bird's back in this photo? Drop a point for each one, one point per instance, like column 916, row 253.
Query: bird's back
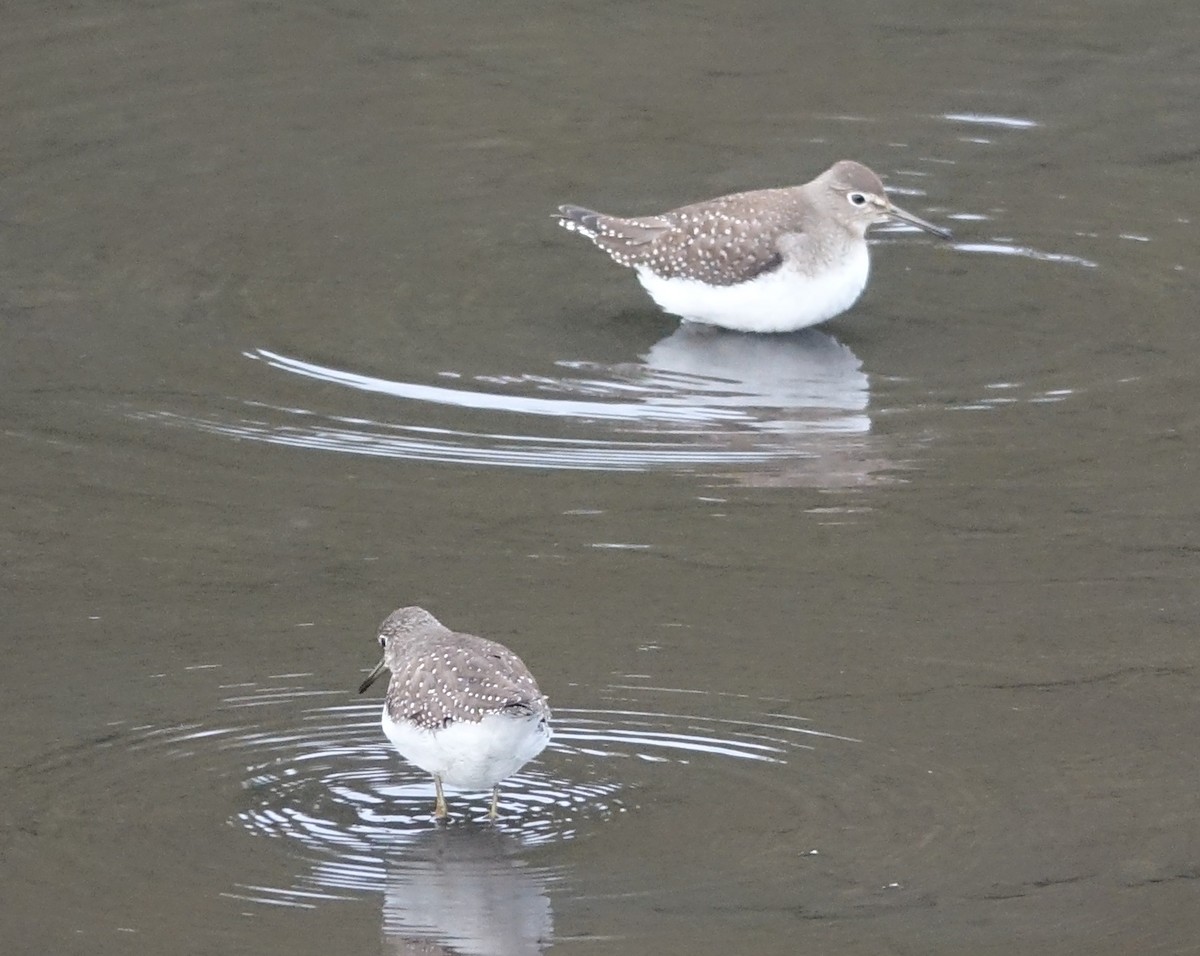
column 460, row 677
column 721, row 241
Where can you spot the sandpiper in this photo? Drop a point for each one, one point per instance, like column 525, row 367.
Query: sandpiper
column 460, row 707
column 771, row 260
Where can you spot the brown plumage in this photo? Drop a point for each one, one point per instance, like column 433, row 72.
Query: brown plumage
column 721, row 242
column 440, row 676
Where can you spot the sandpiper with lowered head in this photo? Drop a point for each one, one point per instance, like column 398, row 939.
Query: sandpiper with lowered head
column 460, row 707
column 770, row 260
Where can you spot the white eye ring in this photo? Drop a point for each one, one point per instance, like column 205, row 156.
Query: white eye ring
column 856, row 199
column 382, row 641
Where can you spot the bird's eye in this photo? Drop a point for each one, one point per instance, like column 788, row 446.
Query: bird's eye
column 382, row 641
column 857, row 199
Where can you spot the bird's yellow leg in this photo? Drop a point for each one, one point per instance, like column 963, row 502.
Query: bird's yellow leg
column 439, row 808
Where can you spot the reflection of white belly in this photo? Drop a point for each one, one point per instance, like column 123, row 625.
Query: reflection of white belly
column 471, row 755
column 780, row 301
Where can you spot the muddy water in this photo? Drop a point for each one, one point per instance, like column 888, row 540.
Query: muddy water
column 875, row 638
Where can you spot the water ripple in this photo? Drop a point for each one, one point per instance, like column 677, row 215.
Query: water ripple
column 1026, row 252
column 336, row 786
column 792, row 406
column 782, row 410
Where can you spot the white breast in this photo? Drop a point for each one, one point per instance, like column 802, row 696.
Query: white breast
column 780, row 301
column 471, row 755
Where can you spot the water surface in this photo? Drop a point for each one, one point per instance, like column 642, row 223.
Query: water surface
column 873, row 638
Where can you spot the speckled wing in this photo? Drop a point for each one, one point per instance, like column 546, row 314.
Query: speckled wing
column 721, row 241
column 464, row 679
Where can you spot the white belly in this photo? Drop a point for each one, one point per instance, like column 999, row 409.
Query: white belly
column 471, row 755
column 779, row 301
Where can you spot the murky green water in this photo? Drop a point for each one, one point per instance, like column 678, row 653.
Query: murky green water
column 876, row 638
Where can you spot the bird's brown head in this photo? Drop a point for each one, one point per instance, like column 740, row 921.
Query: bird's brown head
column 402, row 623
column 856, row 196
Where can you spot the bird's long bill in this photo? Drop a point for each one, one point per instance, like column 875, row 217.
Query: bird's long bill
column 897, row 213
column 374, row 675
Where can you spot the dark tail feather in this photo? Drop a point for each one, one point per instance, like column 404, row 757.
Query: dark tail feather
column 578, row 219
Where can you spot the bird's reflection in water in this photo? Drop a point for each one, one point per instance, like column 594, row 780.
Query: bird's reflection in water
column 805, row 396
column 466, row 889
column 809, row 369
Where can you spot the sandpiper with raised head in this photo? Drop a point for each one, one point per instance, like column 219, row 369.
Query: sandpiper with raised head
column 460, row 707
column 770, row 260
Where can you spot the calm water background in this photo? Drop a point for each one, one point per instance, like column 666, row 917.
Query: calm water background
column 878, row 638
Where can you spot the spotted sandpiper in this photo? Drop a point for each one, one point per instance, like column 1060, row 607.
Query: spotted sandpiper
column 771, row 260
column 460, row 707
